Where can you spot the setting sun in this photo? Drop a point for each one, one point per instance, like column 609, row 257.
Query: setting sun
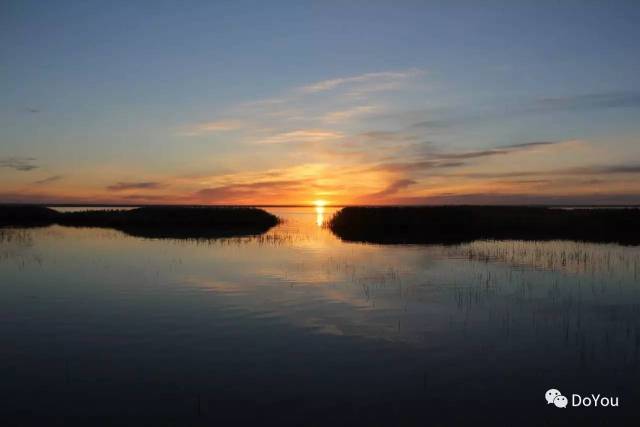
column 319, row 203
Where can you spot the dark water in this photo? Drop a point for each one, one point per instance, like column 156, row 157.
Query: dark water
column 296, row 327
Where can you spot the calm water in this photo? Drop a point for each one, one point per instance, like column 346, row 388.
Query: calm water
column 297, row 327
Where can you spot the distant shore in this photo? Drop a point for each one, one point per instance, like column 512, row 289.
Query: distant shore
column 159, row 222
column 302, row 205
column 456, row 224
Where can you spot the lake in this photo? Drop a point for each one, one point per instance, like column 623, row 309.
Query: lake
column 297, row 327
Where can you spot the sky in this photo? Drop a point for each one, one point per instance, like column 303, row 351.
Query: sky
column 289, row 102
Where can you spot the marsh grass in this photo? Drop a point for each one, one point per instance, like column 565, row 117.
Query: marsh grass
column 560, row 255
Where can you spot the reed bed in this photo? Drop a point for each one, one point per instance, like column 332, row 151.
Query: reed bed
column 455, row 224
column 155, row 222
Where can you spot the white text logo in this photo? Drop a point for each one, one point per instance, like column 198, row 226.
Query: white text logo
column 554, row 396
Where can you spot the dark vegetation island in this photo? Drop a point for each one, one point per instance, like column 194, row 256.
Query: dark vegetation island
column 157, row 222
column 419, row 225
column 457, row 224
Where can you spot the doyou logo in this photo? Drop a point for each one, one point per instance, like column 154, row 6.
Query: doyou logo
column 554, row 396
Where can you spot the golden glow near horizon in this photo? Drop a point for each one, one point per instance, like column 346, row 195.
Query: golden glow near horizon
column 320, row 139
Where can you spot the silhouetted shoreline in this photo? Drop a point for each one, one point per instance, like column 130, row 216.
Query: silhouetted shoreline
column 157, row 222
column 456, row 224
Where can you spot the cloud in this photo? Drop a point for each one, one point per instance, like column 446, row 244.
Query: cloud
column 145, row 185
column 618, row 169
column 392, row 188
column 23, row 164
column 439, row 160
column 212, row 127
column 263, row 102
column 527, row 181
column 587, row 101
column 154, row 197
column 533, row 144
column 433, row 124
column 415, row 166
column 342, row 115
column 594, row 198
column 245, row 191
column 380, row 135
column 634, row 168
column 369, row 82
column 507, row 149
column 48, row 180
column 605, row 170
column 302, row 135
column 298, row 107
column 581, row 102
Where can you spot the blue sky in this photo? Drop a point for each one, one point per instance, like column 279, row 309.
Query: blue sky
column 288, row 102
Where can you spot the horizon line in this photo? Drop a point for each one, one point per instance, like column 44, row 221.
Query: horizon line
column 126, row 205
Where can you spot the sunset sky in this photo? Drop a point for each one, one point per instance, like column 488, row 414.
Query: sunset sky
column 358, row 102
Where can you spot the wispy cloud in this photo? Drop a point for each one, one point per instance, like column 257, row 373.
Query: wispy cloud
column 147, row 197
column 507, row 149
column 144, row 185
column 212, row 127
column 302, row 135
column 440, row 160
column 369, row 82
column 244, row 191
column 587, row 101
column 350, row 113
column 392, row 189
column 611, row 169
column 301, row 114
column 384, row 135
column 592, row 198
column 416, row 166
column 581, row 102
column 23, row 164
column 48, row 180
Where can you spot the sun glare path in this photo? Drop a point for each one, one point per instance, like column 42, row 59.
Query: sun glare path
column 319, row 204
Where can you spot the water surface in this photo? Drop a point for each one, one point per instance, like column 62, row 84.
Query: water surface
column 299, row 327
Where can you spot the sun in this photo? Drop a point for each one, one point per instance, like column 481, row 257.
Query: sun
column 319, row 203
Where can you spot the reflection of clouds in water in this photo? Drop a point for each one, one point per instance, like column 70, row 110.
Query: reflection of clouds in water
column 413, row 293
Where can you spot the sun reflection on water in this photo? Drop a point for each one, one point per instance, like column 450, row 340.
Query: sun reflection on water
column 319, row 207
column 319, row 215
